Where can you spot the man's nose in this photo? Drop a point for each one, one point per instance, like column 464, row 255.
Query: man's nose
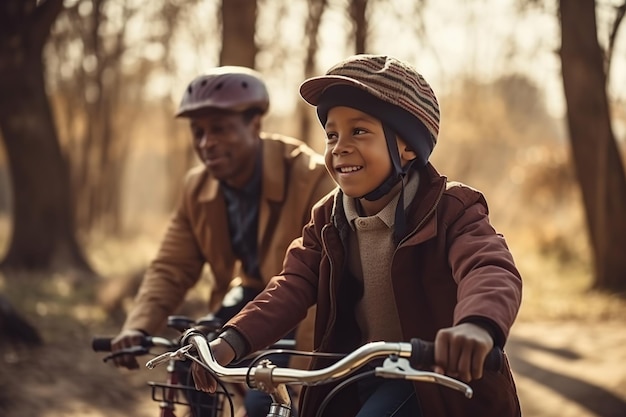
column 206, row 141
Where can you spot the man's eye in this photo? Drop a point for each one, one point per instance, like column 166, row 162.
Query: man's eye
column 217, row 129
column 197, row 133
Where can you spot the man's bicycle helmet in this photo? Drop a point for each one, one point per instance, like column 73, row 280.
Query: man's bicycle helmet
column 226, row 88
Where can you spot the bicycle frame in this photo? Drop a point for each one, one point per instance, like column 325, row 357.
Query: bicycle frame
column 168, row 404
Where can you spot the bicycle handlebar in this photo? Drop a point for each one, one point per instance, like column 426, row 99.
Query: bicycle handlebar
column 402, row 358
column 103, row 343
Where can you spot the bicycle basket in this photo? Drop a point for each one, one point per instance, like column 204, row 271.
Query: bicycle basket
column 201, row 404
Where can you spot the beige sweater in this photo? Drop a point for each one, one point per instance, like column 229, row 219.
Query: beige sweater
column 371, row 253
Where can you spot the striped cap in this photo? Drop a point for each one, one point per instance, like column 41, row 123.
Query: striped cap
column 384, row 77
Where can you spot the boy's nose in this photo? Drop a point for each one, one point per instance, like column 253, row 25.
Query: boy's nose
column 341, row 147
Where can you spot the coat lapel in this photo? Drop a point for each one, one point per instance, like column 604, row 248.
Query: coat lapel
column 273, row 184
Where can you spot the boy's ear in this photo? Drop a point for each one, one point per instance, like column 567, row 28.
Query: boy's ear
column 406, row 153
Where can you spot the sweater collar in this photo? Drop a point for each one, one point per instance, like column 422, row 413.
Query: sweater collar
column 388, row 214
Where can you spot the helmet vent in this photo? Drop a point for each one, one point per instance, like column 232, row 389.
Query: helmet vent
column 219, row 86
column 203, row 83
column 244, row 84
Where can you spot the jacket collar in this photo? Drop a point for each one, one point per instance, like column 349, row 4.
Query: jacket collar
column 422, row 221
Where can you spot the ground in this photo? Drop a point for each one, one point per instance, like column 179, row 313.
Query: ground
column 567, row 351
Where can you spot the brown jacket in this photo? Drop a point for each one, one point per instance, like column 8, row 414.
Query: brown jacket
column 294, row 178
column 452, row 266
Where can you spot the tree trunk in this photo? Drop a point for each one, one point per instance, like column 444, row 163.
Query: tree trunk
column 43, row 229
column 359, row 20
column 312, row 28
column 595, row 151
column 238, row 29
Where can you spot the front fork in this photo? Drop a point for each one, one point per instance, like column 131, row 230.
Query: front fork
column 167, row 405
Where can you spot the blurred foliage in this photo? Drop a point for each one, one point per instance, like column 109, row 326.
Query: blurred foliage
column 496, row 133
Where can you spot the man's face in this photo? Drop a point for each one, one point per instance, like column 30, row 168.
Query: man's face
column 227, row 144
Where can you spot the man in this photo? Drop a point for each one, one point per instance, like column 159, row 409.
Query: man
column 238, row 211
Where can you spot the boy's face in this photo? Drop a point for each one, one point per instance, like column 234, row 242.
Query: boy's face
column 356, row 152
column 226, row 144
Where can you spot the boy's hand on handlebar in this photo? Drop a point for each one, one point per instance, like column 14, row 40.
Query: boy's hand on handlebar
column 126, row 339
column 223, row 354
column 460, row 351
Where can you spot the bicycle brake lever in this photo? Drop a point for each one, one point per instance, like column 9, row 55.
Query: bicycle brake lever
column 167, row 356
column 400, row 368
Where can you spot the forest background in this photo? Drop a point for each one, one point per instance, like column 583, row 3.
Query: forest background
column 533, row 104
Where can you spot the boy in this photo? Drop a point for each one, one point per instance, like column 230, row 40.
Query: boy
column 397, row 252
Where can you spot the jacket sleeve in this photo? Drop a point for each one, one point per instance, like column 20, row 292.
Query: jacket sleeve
column 285, row 301
column 175, row 269
column 489, row 285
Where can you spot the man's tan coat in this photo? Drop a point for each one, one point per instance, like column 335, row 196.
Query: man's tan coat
column 294, row 178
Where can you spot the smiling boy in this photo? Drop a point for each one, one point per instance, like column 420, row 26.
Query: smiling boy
column 398, row 252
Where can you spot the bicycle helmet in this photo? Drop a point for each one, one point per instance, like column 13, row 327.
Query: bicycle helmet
column 227, row 88
column 385, row 87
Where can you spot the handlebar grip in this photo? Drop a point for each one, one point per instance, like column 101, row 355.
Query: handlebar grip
column 423, row 356
column 101, row 343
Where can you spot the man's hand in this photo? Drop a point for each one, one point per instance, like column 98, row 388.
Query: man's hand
column 223, row 354
column 124, row 340
column 460, row 351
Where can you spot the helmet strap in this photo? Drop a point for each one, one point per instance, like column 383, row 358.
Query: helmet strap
column 396, row 174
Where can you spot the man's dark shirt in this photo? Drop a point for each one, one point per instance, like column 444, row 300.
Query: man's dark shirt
column 242, row 206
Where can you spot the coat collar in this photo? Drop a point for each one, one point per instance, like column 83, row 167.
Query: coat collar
column 422, row 221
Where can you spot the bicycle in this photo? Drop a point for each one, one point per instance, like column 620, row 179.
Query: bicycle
column 174, row 391
column 402, row 360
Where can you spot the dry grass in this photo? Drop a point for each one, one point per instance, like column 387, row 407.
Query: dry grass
column 557, row 292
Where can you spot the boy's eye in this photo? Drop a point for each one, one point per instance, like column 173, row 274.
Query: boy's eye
column 331, row 136
column 358, row 131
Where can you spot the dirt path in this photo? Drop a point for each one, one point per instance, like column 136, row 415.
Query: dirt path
column 570, row 369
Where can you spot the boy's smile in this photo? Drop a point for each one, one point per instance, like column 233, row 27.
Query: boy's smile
column 348, row 169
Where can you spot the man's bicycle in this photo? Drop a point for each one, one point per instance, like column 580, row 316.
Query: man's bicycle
column 178, row 388
column 401, row 360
